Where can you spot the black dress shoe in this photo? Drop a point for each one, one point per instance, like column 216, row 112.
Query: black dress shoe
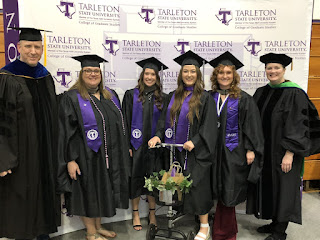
column 282, row 236
column 265, row 228
column 43, row 237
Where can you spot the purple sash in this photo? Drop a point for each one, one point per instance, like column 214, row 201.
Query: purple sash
column 181, row 134
column 90, row 124
column 231, row 140
column 114, row 98
column 137, row 120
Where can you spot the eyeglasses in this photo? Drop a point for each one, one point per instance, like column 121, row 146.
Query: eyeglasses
column 89, row 71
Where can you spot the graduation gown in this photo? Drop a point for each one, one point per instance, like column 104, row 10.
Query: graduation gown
column 28, row 142
column 203, row 133
column 98, row 191
column 287, row 119
column 144, row 161
column 232, row 173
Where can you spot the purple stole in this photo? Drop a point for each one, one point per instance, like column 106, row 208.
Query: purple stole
column 137, row 121
column 180, row 135
column 90, row 124
column 114, row 98
column 232, row 131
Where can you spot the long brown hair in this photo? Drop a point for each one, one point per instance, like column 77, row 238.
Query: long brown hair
column 194, row 103
column 81, row 87
column 157, row 93
column 234, row 90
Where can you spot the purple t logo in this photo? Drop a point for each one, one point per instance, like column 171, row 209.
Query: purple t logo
column 253, row 47
column 224, row 13
column 111, row 42
column 182, row 44
column 63, row 80
column 66, row 4
column 147, row 11
column 67, row 8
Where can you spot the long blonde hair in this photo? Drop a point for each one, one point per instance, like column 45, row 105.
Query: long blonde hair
column 194, row 103
column 81, row 87
column 234, row 90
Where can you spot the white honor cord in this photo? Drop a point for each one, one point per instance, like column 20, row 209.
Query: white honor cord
column 220, row 109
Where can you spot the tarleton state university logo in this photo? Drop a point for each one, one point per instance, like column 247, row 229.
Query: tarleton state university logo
column 68, row 8
column 111, row 46
column 147, row 14
column 63, row 77
column 252, row 46
column 225, row 16
column 182, row 46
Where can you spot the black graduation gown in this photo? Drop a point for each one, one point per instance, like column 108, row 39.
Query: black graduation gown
column 232, row 173
column 285, row 120
column 144, row 161
column 98, row 191
column 28, row 142
column 203, row 134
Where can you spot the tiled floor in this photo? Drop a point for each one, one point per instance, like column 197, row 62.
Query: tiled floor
column 310, row 230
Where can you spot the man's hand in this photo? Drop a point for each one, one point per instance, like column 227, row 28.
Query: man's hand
column 5, row 173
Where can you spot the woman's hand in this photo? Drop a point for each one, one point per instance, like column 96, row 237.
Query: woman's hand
column 153, row 141
column 73, row 169
column 5, row 173
column 188, row 146
column 287, row 160
column 130, row 152
column 250, row 157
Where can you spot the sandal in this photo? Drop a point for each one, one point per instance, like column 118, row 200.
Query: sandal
column 95, row 235
column 139, row 226
column 151, row 209
column 202, row 236
column 110, row 234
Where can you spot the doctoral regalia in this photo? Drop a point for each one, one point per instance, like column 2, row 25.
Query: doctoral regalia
column 232, row 174
column 28, row 146
column 198, row 163
column 290, row 122
column 103, row 184
column 144, row 161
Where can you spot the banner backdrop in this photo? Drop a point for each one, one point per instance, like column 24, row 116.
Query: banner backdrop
column 124, row 32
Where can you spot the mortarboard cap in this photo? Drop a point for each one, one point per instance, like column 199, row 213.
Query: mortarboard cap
column 91, row 60
column 29, row 34
column 226, row 59
column 276, row 58
column 190, row 58
column 152, row 63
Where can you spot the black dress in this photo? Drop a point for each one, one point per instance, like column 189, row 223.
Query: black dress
column 287, row 117
column 203, row 133
column 98, row 191
column 144, row 161
column 28, row 146
column 232, row 173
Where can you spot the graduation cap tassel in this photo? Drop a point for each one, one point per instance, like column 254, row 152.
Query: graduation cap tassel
column 161, row 78
column 45, row 49
column 203, row 62
column 292, row 65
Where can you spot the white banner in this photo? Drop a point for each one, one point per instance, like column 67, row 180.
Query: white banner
column 124, row 32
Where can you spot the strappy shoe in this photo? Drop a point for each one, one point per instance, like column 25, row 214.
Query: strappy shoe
column 152, row 209
column 202, row 236
column 110, row 234
column 137, row 225
column 89, row 236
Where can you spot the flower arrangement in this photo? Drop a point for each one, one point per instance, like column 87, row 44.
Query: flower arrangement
column 168, row 182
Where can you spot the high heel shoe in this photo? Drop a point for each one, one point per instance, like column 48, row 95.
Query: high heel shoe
column 151, row 209
column 137, row 225
column 202, row 236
